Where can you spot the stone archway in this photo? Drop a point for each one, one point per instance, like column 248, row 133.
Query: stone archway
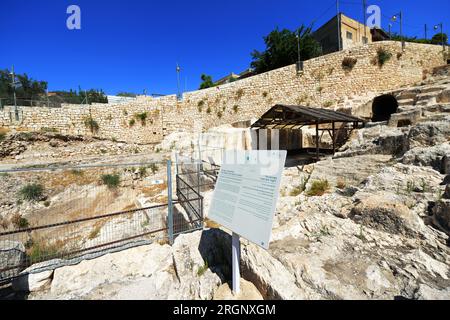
column 383, row 107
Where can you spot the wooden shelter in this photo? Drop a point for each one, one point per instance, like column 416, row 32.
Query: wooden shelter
column 292, row 117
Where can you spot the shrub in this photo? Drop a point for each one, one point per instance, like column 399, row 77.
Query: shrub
column 40, row 250
column 125, row 112
column 91, row 124
column 349, row 63
column 19, row 222
column 2, row 136
column 235, row 108
column 154, row 168
column 46, row 129
column 142, row 171
column 4, row 223
column 328, row 104
column 142, row 116
column 219, row 114
column 296, row 191
column 132, row 122
column 265, row 94
column 94, row 233
column 77, row 172
column 239, row 93
column 202, row 269
column 208, row 110
column 32, row 192
column 340, row 184
column 383, row 56
column 111, row 180
column 201, row 103
column 318, row 188
column 319, row 89
column 47, row 203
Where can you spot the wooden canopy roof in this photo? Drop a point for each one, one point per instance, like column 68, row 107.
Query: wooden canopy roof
column 291, row 117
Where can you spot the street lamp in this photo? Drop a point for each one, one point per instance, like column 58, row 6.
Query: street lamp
column 299, row 61
column 441, row 25
column 399, row 16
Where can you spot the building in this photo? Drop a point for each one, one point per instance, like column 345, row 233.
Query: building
column 352, row 33
column 233, row 77
column 119, row 99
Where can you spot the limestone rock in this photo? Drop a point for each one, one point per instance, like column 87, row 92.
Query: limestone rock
column 247, row 292
column 385, row 215
column 441, row 215
column 428, row 156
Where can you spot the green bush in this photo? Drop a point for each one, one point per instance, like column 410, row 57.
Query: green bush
column 41, row 250
column 349, row 63
column 91, row 124
column 383, row 56
column 235, row 108
column 154, row 168
column 19, row 222
column 32, row 192
column 111, row 180
column 132, row 122
column 318, row 188
column 142, row 116
column 2, row 136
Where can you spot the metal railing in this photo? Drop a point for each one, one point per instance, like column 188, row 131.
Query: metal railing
column 28, row 103
column 55, row 216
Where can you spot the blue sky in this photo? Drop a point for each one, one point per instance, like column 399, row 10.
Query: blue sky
column 134, row 45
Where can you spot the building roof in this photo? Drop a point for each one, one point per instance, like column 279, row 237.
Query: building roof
column 290, row 116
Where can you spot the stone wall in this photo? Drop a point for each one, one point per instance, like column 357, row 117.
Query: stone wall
column 323, row 83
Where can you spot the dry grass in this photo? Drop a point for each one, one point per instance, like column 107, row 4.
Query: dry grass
column 95, row 232
column 154, row 190
column 318, row 188
column 211, row 224
column 341, row 184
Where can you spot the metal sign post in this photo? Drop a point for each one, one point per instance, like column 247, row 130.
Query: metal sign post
column 245, row 199
column 236, row 258
column 169, row 201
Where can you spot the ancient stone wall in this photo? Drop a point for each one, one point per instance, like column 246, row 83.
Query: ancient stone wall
column 323, row 83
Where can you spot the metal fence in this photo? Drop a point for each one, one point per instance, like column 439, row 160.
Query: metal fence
column 59, row 216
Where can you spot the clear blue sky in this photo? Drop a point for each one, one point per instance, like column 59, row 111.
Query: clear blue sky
column 131, row 45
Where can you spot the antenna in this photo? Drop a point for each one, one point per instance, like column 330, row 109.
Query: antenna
column 178, row 82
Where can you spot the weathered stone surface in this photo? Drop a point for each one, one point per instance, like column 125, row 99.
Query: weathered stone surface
column 247, row 292
column 441, row 215
column 388, row 216
column 32, row 282
column 428, row 156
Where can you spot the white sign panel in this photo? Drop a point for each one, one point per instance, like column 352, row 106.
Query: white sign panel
column 246, row 193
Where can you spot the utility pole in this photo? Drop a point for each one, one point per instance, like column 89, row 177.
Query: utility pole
column 178, row 82
column 299, row 58
column 365, row 18
column 339, row 25
column 13, row 83
column 442, row 34
column 394, row 18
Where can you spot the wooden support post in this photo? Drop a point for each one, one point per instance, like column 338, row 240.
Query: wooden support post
column 317, row 139
column 334, row 137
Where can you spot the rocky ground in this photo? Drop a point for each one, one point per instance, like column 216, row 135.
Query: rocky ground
column 373, row 222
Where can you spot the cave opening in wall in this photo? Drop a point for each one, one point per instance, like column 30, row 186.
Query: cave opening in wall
column 383, row 107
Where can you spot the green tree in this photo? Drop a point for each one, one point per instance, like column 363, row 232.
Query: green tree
column 127, row 94
column 437, row 38
column 29, row 89
column 206, row 82
column 282, row 49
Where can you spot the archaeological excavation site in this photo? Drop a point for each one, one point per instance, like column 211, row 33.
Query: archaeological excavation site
column 113, row 200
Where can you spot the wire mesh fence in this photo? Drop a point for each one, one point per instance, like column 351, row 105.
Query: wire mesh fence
column 54, row 216
column 67, row 213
